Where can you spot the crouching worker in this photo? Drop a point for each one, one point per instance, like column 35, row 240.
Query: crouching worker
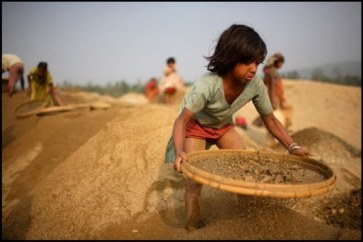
column 41, row 84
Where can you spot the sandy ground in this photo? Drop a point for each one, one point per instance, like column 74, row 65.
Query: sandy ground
column 99, row 174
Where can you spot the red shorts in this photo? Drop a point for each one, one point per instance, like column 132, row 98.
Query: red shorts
column 170, row 90
column 195, row 130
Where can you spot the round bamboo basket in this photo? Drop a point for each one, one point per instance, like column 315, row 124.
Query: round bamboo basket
column 300, row 190
column 29, row 108
column 41, row 108
column 54, row 109
column 100, row 105
column 65, row 108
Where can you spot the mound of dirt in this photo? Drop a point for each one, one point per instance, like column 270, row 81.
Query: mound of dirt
column 133, row 98
column 100, row 174
column 324, row 145
column 112, row 177
column 342, row 207
column 343, row 210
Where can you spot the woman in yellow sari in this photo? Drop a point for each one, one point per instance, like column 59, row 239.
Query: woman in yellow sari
column 41, row 84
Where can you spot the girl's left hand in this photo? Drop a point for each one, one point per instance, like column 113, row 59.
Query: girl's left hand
column 302, row 151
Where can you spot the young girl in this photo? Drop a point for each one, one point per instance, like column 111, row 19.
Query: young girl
column 206, row 113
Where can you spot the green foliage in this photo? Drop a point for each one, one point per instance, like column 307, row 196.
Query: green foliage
column 318, row 75
column 116, row 90
column 291, row 75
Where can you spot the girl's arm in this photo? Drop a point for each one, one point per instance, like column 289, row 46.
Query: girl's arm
column 179, row 136
column 29, row 77
column 279, row 132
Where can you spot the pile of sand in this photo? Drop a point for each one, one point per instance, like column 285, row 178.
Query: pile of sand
column 114, row 176
column 100, row 174
column 133, row 98
column 77, row 97
column 325, row 146
column 119, row 175
column 343, row 210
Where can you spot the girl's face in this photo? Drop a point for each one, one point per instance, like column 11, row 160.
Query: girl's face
column 171, row 66
column 244, row 72
column 279, row 64
column 40, row 71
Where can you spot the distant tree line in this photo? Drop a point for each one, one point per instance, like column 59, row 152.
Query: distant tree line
column 122, row 87
column 318, row 75
column 116, row 89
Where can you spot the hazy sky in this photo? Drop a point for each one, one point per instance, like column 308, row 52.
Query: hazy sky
column 106, row 42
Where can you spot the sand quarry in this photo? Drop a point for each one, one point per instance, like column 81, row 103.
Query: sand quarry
column 99, row 174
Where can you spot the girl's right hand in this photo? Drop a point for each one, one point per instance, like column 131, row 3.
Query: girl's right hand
column 179, row 158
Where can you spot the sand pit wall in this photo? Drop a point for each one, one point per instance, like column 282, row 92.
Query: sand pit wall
column 118, row 174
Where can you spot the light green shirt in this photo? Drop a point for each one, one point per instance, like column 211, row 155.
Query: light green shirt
column 207, row 102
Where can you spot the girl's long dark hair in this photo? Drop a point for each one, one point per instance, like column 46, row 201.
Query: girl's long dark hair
column 237, row 44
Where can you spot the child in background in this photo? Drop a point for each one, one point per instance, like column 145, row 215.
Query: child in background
column 152, row 89
column 205, row 116
column 171, row 83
